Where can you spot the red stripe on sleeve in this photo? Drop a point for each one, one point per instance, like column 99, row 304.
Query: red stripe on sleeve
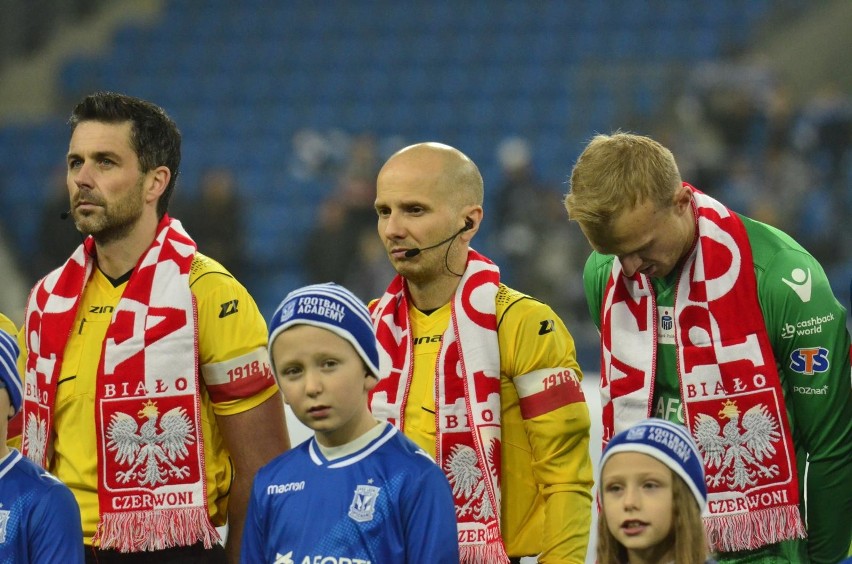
column 239, row 389
column 551, row 399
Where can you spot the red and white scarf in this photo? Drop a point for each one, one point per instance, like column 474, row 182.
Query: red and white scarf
column 731, row 392
column 151, row 481
column 467, row 399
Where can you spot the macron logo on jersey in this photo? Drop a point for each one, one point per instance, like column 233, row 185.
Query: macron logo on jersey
column 800, row 283
column 273, row 489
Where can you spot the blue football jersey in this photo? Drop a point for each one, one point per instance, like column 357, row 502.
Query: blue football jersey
column 39, row 517
column 386, row 503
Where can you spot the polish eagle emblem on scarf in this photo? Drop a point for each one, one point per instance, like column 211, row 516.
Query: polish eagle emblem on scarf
column 154, row 450
column 738, row 455
column 468, row 482
column 35, row 438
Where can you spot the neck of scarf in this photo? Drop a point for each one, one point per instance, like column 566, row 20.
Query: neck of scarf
column 467, row 398
column 151, row 483
column 732, row 397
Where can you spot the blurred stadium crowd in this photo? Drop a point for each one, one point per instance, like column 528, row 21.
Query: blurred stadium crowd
column 288, row 109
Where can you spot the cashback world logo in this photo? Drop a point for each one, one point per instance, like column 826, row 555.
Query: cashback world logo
column 812, row 326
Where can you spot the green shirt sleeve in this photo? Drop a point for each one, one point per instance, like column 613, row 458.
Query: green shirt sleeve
column 807, row 329
column 595, row 274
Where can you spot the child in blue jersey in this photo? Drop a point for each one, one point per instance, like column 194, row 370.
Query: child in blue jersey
column 39, row 517
column 359, row 491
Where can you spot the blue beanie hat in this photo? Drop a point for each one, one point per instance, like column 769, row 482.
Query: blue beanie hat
column 670, row 444
column 9, row 370
column 333, row 307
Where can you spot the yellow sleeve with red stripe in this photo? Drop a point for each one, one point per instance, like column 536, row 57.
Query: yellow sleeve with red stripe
column 232, row 340
column 7, row 325
column 538, row 355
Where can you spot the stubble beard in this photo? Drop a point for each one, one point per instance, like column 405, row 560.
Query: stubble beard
column 116, row 221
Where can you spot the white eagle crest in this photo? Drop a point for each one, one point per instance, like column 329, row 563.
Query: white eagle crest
column 150, row 453
column 468, row 483
column 35, row 439
column 738, row 456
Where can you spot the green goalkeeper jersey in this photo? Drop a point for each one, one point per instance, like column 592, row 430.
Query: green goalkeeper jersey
column 806, row 325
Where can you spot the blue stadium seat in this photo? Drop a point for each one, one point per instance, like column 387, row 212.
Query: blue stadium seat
column 241, row 77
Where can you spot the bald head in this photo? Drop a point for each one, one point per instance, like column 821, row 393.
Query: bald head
column 441, row 168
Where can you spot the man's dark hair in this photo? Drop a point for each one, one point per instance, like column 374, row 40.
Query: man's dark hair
column 153, row 135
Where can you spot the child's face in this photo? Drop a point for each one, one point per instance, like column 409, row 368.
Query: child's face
column 637, row 502
column 325, row 383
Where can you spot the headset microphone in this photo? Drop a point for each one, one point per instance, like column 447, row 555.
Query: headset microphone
column 65, row 214
column 411, row 253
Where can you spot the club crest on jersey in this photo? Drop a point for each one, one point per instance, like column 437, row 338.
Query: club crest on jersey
column 4, row 520
column 364, row 503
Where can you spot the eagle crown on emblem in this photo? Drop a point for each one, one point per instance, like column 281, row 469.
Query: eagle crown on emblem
column 149, row 410
column 729, row 410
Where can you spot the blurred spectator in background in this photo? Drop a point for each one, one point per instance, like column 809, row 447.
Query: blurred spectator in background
column 520, row 210
column 824, row 133
column 329, row 248
column 542, row 254
column 783, row 162
column 57, row 236
column 370, row 272
column 216, row 219
column 343, row 247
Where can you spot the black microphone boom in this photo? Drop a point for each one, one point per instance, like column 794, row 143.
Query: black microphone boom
column 411, row 253
column 65, row 214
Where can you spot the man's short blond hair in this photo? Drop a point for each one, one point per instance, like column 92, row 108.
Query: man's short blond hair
column 615, row 173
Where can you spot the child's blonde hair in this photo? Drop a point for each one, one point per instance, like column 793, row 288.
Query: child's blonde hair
column 673, row 446
column 690, row 543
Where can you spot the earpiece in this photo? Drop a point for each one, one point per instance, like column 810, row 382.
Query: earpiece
column 468, row 224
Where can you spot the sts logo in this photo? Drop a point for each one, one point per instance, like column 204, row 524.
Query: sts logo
column 808, row 360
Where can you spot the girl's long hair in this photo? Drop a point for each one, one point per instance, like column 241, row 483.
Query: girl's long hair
column 690, row 542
